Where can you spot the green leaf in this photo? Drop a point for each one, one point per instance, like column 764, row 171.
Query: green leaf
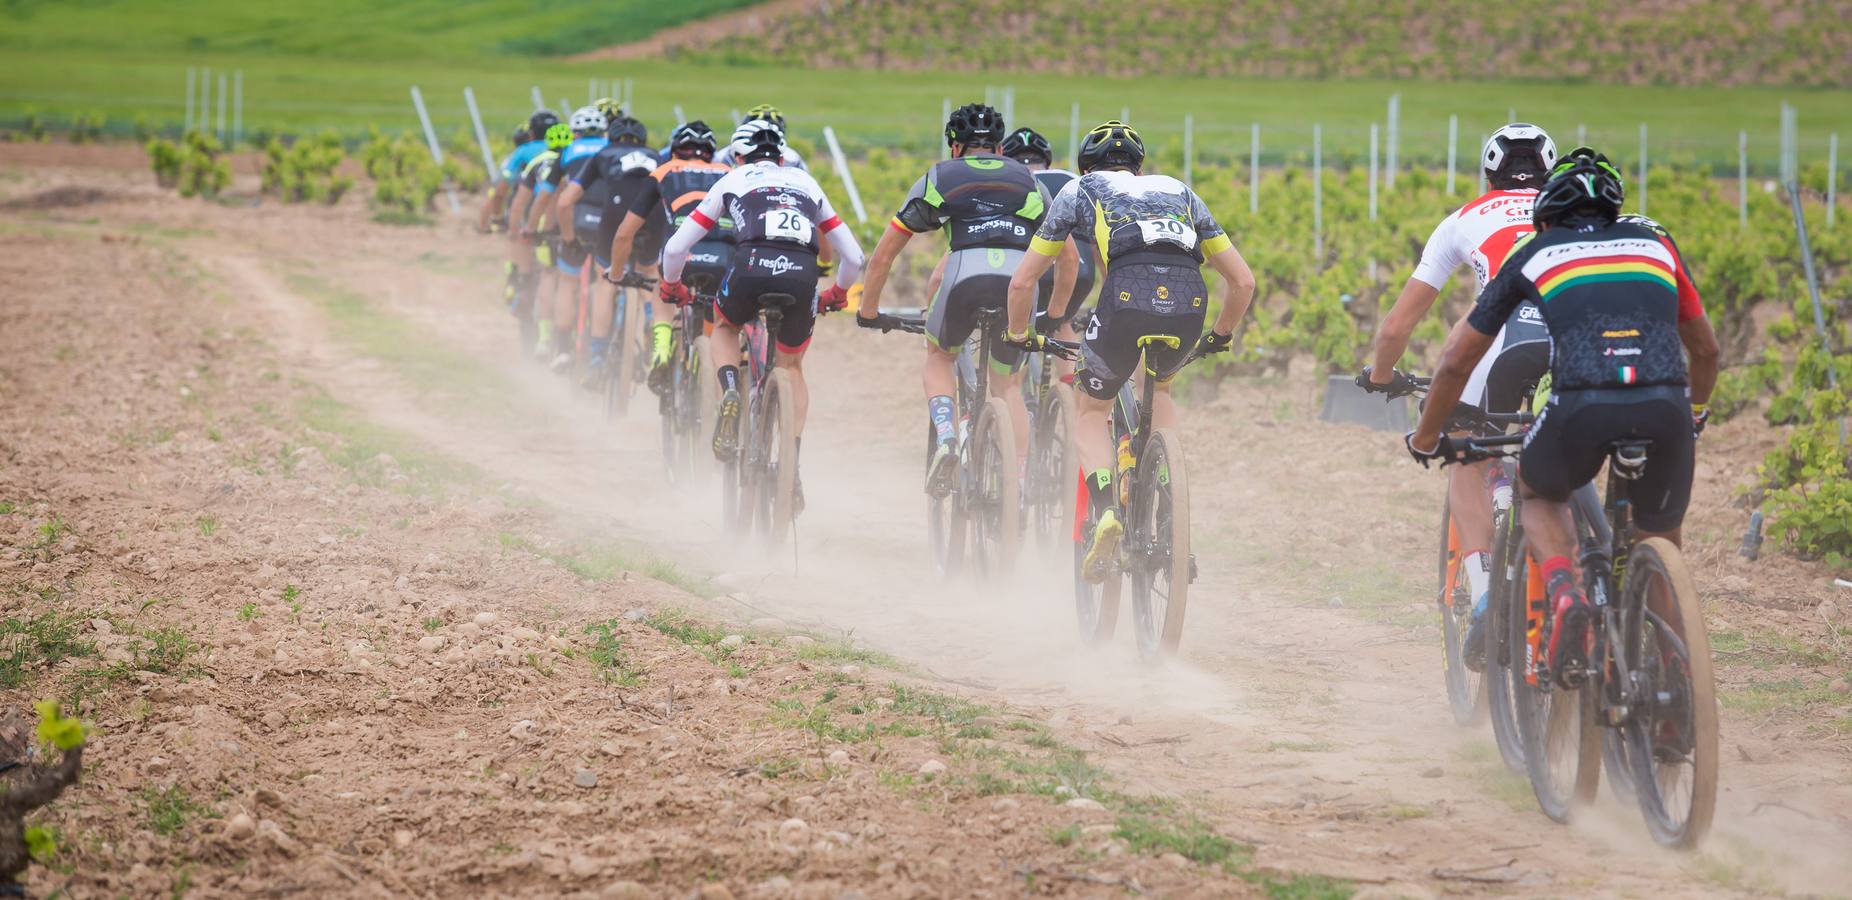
column 41, row 843
column 57, row 730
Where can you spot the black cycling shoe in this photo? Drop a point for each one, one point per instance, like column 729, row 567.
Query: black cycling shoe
column 1472, row 647
column 940, row 471
column 1570, row 633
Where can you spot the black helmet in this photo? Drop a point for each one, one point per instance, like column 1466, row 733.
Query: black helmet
column 1111, row 144
column 1518, row 155
column 694, row 135
column 1583, row 185
column 627, row 130
column 538, row 123
column 1026, row 142
column 974, row 125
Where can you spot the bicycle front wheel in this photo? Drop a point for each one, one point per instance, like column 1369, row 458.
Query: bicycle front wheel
column 616, row 390
column 1672, row 738
column 1054, row 467
column 1157, row 549
column 1562, row 751
column 1504, row 650
column 994, row 501
column 704, row 400
column 1465, row 688
column 945, row 520
column 777, row 452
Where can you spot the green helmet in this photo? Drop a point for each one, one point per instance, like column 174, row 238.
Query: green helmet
column 559, row 136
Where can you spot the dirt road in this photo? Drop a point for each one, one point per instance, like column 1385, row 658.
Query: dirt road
column 411, row 531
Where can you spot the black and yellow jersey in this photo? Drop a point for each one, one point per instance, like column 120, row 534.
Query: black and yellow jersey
column 1125, row 213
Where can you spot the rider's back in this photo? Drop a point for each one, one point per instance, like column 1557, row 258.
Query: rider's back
column 983, row 200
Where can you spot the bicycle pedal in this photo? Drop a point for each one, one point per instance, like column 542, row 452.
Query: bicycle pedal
column 1193, row 570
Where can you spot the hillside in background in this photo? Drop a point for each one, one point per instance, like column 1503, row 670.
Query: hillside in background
column 359, row 29
column 1667, row 42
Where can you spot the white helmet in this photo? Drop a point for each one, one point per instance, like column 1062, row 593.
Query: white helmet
column 1518, row 155
column 587, row 120
column 756, row 136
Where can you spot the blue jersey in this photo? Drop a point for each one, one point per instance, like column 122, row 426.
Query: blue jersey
column 518, row 160
column 576, row 155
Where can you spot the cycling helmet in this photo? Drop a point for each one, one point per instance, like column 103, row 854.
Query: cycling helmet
column 1583, row 186
column 696, row 138
column 1516, row 156
column 538, row 123
column 765, row 112
column 974, row 125
column 757, row 139
column 521, row 134
column 559, row 136
column 1111, row 144
column 1026, row 142
column 611, row 108
column 627, row 130
column 587, row 120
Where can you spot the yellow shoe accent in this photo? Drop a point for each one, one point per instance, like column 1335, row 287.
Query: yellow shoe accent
column 1105, row 550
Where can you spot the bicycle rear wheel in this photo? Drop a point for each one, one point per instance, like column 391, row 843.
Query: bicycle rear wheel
column 1504, row 651
column 945, row 519
column 1096, row 605
column 994, row 501
column 616, row 391
column 704, row 401
column 1054, row 468
column 1157, row 551
column 1556, row 728
column 776, row 448
column 1672, row 739
column 1465, row 688
column 672, row 421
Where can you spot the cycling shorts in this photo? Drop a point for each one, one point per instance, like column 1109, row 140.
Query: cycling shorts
column 569, row 257
column 1508, row 372
column 975, row 278
column 1083, row 286
column 1566, row 446
column 1139, row 299
column 760, row 269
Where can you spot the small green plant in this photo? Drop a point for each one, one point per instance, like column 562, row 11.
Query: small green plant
column 43, row 640
column 306, row 171
column 168, row 652
column 249, row 612
column 166, row 811
column 50, row 532
column 202, row 173
column 608, row 656
column 432, row 624
column 405, row 179
column 166, row 158
column 208, row 525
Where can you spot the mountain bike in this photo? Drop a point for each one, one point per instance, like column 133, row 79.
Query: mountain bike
column 976, row 523
column 693, row 389
column 759, row 484
column 1152, row 498
column 1053, row 469
column 1648, row 684
column 625, row 352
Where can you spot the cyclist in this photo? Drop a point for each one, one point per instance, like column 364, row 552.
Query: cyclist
column 764, row 112
column 493, row 216
column 1027, row 146
column 1153, row 235
column 519, row 268
column 663, row 204
column 1516, row 159
column 779, row 215
column 1622, row 317
column 523, row 225
column 992, row 207
column 588, row 137
column 608, row 182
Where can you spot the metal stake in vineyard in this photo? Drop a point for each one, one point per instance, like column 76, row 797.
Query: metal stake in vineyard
column 192, row 75
column 1254, row 169
column 540, row 102
column 223, row 80
column 1189, row 147
column 1643, row 168
column 1393, row 137
column 1742, row 179
column 842, row 171
column 203, row 124
column 1832, row 176
column 1453, row 149
column 1373, row 128
column 437, row 154
column 482, row 136
column 237, row 107
column 1318, row 196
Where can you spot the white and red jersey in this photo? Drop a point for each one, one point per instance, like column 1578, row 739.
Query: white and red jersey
column 769, row 202
column 1481, row 233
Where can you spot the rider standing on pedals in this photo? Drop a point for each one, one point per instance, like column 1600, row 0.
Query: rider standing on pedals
column 1516, row 159
column 1153, row 235
column 1622, row 317
column 662, row 205
column 779, row 215
column 992, row 206
column 608, row 182
column 1027, row 146
column 588, row 137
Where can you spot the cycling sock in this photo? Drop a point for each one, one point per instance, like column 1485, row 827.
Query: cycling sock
column 729, row 378
column 1478, row 574
column 1099, row 488
column 660, row 334
column 546, row 332
column 940, row 408
column 1559, row 576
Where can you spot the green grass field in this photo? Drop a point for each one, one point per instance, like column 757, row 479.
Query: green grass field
column 298, row 93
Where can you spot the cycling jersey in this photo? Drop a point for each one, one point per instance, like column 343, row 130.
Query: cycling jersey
column 792, row 160
column 610, row 179
column 1052, row 181
column 532, row 175
column 984, row 200
column 576, row 155
column 1483, row 234
column 517, row 162
column 674, row 190
column 1612, row 297
column 768, row 204
column 1130, row 215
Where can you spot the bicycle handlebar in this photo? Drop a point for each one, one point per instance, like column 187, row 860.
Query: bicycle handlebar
column 1479, row 449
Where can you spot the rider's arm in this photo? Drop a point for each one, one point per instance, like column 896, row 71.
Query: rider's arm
column 1694, row 329
column 490, row 203
column 523, row 205
column 1067, row 271
column 893, row 240
column 564, row 199
column 1471, row 337
column 1438, row 260
column 1237, row 288
column 675, row 252
column 625, row 237
column 848, row 251
column 1026, row 281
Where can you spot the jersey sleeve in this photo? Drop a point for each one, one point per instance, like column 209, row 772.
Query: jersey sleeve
column 1065, row 214
column 1441, row 257
column 1208, row 231
column 510, row 171
column 589, row 170
column 549, row 177
column 708, row 212
column 649, row 196
column 920, row 213
column 1502, row 294
column 827, row 219
column 1690, row 305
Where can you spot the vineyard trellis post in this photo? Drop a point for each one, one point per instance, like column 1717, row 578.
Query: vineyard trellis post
column 482, row 135
column 848, row 178
column 1189, row 147
column 591, row 91
column 1009, row 105
column 1453, row 149
column 1742, row 179
column 1643, row 168
column 1125, row 114
column 1393, row 137
column 1581, row 135
column 945, row 114
column 1254, row 169
column 1373, row 138
column 192, row 76
column 237, row 107
column 565, row 108
column 1832, row 176
column 203, row 123
column 1318, row 196
column 680, row 118
column 1479, row 166
column 223, row 81
column 540, row 103
column 1813, row 282
column 630, row 95
column 437, row 153
column 1073, row 131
